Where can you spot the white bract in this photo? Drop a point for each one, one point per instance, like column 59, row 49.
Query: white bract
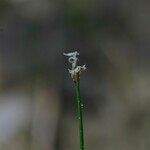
column 73, row 60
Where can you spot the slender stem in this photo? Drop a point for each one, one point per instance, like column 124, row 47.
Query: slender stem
column 80, row 111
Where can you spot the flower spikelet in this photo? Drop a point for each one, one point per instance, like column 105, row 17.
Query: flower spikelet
column 75, row 69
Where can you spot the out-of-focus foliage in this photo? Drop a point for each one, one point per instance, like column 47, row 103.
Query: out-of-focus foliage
column 37, row 100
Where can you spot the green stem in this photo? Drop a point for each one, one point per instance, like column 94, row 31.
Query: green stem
column 80, row 111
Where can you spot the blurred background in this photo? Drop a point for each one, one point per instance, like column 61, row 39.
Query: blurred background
column 37, row 95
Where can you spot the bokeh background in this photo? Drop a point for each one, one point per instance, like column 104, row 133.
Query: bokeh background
column 37, row 96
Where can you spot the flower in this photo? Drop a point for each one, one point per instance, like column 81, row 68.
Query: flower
column 73, row 60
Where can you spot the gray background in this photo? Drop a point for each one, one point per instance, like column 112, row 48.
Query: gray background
column 37, row 96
